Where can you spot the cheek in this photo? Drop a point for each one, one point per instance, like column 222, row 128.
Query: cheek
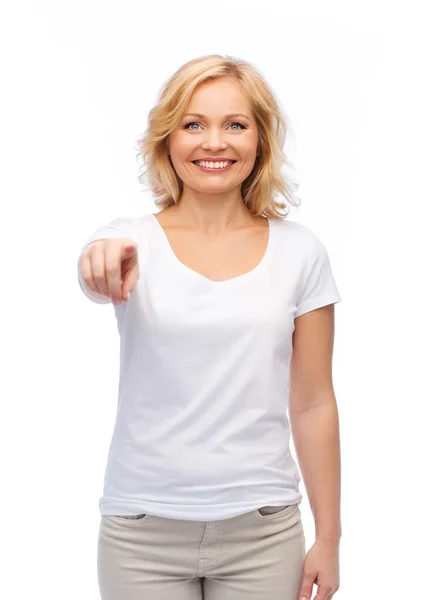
column 246, row 146
column 181, row 146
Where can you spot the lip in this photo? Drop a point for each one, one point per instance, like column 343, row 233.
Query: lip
column 219, row 159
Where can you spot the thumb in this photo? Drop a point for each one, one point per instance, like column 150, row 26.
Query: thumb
column 128, row 249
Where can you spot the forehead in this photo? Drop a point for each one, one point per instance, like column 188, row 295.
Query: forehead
column 217, row 97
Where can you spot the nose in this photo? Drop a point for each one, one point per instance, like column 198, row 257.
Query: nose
column 213, row 141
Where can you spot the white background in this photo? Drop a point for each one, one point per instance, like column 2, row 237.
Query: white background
column 78, row 79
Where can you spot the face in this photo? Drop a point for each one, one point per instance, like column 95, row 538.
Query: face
column 215, row 134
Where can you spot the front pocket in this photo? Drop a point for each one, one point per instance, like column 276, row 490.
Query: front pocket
column 267, row 512
column 125, row 521
column 135, row 517
column 129, row 520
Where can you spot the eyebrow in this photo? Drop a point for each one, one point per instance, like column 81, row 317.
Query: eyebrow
column 230, row 116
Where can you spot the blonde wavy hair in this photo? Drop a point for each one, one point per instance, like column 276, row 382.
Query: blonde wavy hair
column 266, row 180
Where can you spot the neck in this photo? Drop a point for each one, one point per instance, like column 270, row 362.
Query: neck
column 213, row 213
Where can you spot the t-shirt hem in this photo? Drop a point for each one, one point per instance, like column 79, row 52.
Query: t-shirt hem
column 191, row 512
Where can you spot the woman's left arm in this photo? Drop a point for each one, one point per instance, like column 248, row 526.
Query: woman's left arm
column 315, row 429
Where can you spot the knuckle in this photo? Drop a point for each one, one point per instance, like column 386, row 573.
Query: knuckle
column 306, row 589
column 113, row 270
column 93, row 246
column 98, row 272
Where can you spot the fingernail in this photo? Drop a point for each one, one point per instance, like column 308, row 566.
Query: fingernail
column 115, row 301
column 303, row 598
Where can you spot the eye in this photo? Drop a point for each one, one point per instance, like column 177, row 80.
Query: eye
column 242, row 126
column 187, row 126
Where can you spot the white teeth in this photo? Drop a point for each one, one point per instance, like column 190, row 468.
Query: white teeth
column 213, row 165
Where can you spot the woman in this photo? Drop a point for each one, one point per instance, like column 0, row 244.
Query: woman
column 230, row 302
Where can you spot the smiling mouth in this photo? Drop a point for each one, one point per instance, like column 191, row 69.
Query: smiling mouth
column 227, row 166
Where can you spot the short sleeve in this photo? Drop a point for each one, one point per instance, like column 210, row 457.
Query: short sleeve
column 122, row 227
column 319, row 287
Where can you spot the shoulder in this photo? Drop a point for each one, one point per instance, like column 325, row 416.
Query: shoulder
column 296, row 235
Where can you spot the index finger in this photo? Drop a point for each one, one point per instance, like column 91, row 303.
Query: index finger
column 114, row 254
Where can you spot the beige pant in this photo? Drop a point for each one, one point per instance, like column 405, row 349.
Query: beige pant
column 255, row 556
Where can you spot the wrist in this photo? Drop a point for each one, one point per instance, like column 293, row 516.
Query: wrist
column 329, row 540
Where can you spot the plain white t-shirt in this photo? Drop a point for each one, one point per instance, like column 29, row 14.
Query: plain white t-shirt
column 201, row 430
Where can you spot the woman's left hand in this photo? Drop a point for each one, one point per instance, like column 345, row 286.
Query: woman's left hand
column 321, row 566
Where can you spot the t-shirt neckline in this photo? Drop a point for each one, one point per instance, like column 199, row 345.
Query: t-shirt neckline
column 244, row 276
